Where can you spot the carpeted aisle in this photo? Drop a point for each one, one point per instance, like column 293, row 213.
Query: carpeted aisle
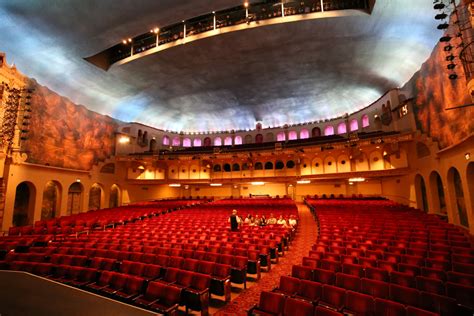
column 305, row 238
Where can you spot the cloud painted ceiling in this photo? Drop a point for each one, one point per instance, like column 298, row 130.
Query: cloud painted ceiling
column 285, row 73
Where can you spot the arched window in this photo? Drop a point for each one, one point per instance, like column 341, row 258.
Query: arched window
column 197, row 142
column 304, row 133
column 281, row 137
column 438, row 197
column 238, row 140
column 292, row 135
column 96, row 196
column 217, row 141
column 227, row 167
column 248, row 139
column 217, row 168
column 207, row 142
column 457, row 194
column 329, row 130
column 316, row 132
column 290, row 164
column 176, row 141
column 145, row 138
column 51, row 200
column 228, row 141
column 341, row 128
column 258, row 138
column 420, row 186
column 74, row 198
column 354, row 125
column 235, row 167
column 153, row 145
column 139, row 137
column 258, row 166
column 166, row 141
column 114, row 199
column 24, row 207
column 365, row 120
column 279, row 165
column 187, row 142
column 269, row 165
column 245, row 166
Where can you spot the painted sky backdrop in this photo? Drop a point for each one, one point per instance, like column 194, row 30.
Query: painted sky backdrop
column 287, row 73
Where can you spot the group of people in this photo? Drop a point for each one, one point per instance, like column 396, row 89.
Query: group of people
column 236, row 221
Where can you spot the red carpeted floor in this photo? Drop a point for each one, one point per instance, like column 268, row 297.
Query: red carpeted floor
column 305, row 238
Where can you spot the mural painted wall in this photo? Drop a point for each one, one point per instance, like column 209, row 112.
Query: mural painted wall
column 434, row 92
column 63, row 134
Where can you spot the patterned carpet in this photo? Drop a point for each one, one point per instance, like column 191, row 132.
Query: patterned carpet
column 305, row 238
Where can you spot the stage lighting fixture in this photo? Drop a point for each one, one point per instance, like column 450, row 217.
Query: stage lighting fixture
column 442, row 26
column 441, row 16
column 446, row 38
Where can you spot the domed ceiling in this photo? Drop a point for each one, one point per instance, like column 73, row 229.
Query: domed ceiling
column 284, row 73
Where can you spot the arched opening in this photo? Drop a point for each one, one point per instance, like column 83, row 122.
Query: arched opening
column 96, row 196
column 217, row 168
column 329, row 130
column 207, row 142
column 245, row 166
column 269, row 165
column 51, row 200
column 217, row 141
column 365, row 121
column 145, row 138
column 316, row 132
column 197, row 142
column 421, row 198
column 290, row 164
column 470, row 182
column 342, row 128
column 166, row 141
column 187, row 142
column 258, row 138
column 248, row 139
column 281, row 137
column 176, row 141
column 304, row 133
column 114, row 198
column 258, row 166
column 354, row 125
column 292, row 135
column 227, row 167
column 24, row 207
column 279, row 165
column 153, row 145
column 228, row 141
column 74, row 198
column 235, row 167
column 269, row 137
column 139, row 137
column 238, row 140
column 457, row 195
column 437, row 193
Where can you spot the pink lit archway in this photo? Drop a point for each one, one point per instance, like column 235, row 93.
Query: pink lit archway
column 238, row 140
column 281, row 137
column 217, row 141
column 304, row 133
column 329, row 130
column 292, row 135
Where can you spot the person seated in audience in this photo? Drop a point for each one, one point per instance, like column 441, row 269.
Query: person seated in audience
column 281, row 221
column 247, row 219
column 292, row 221
column 263, row 221
column 235, row 221
column 257, row 221
column 271, row 220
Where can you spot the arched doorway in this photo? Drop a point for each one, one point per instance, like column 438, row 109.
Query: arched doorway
column 258, row 138
column 421, row 198
column 437, row 193
column 74, row 198
column 51, row 200
column 316, row 132
column 153, row 145
column 24, row 207
column 470, row 183
column 114, row 199
column 457, row 195
column 96, row 195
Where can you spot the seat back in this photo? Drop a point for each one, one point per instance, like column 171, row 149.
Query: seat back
column 271, row 302
column 297, row 307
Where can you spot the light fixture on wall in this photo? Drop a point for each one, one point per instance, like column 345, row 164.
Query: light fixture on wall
column 174, row 185
column 467, row 156
column 357, row 179
column 303, row 181
column 257, row 183
column 215, row 184
column 124, row 139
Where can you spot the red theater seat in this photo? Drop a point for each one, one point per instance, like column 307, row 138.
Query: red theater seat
column 298, row 307
column 161, row 298
column 389, row 308
column 462, row 293
column 132, row 288
column 402, row 279
column 333, row 297
column 430, row 285
column 270, row 304
column 288, row 285
column 460, row 278
column 375, row 288
column 404, row 295
column 377, row 274
column 323, row 311
column 302, row 272
column 353, row 269
column 413, row 311
column 359, row 304
column 348, row 282
column 440, row 304
column 309, row 291
column 324, row 276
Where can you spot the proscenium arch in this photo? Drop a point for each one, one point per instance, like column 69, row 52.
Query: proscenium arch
column 216, row 23
column 24, row 207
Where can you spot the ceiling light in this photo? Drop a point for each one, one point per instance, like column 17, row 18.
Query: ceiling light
column 358, row 179
column 257, row 183
column 129, row 40
column 303, row 181
column 175, row 185
column 124, row 41
column 216, row 184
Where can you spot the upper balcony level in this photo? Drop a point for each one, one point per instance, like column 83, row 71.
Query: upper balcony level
column 245, row 16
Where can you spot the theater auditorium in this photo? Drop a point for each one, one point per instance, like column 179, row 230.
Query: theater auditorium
column 234, row 157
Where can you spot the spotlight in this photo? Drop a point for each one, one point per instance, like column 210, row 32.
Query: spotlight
column 451, row 66
column 124, row 42
column 442, row 26
column 246, row 4
column 445, row 39
column 129, row 40
column 453, row 76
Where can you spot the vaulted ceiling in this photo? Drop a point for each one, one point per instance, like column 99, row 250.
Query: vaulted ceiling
column 285, row 73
